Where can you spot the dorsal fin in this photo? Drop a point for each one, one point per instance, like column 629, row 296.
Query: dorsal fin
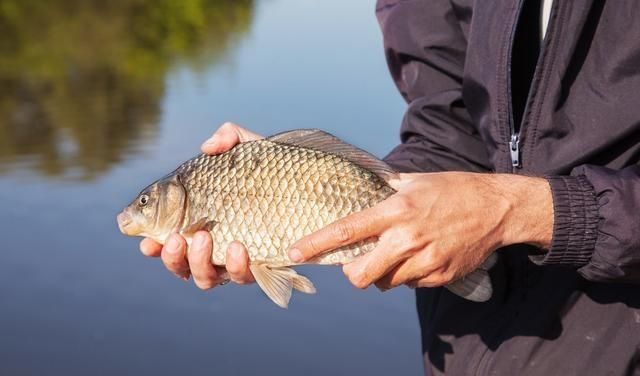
column 317, row 139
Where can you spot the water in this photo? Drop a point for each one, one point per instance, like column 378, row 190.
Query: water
column 97, row 99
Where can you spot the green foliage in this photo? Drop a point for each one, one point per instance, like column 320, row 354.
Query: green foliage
column 81, row 80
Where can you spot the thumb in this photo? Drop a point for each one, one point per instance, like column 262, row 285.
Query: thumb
column 226, row 137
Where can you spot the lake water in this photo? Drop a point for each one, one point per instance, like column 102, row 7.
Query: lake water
column 98, row 99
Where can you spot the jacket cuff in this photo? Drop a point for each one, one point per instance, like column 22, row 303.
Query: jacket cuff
column 575, row 208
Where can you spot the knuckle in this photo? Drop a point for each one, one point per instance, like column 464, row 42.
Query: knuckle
column 404, row 243
column 310, row 244
column 233, row 269
column 200, row 266
column 394, row 282
column 438, row 279
column 448, row 277
column 402, row 205
column 360, row 284
column 409, row 242
column 146, row 250
column 344, row 232
column 227, row 125
column 358, row 280
column 241, row 277
column 411, row 238
column 175, row 264
column 441, row 280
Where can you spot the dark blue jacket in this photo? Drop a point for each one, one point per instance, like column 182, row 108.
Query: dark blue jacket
column 485, row 95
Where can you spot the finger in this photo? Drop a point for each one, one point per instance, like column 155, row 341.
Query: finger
column 173, row 256
column 150, row 247
column 372, row 266
column 353, row 228
column 413, row 268
column 226, row 137
column 238, row 264
column 199, row 256
column 425, row 282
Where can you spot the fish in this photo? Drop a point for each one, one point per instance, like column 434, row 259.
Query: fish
column 269, row 193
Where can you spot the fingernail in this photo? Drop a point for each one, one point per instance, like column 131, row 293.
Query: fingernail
column 236, row 252
column 198, row 242
column 211, row 141
column 295, row 255
column 173, row 245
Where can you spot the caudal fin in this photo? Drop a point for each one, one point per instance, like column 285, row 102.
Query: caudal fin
column 477, row 285
column 278, row 283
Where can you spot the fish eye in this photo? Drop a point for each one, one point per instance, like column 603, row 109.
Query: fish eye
column 143, row 200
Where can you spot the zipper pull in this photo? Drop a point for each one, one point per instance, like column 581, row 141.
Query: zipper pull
column 514, row 148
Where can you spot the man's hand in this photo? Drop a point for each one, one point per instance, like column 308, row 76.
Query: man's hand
column 438, row 227
column 197, row 261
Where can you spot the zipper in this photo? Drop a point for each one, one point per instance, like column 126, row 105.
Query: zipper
column 515, row 130
column 514, row 134
column 514, row 147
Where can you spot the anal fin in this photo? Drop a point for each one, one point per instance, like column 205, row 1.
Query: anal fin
column 278, row 283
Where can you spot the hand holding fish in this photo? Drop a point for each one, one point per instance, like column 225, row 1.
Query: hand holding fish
column 197, row 261
column 437, row 228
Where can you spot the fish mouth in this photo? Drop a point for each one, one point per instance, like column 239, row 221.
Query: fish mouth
column 124, row 222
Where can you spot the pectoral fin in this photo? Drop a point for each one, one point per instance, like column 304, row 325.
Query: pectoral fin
column 278, row 283
column 477, row 285
column 203, row 224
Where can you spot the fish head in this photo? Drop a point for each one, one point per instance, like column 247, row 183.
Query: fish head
column 157, row 211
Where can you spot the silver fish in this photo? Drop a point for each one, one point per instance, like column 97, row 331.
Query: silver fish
column 267, row 194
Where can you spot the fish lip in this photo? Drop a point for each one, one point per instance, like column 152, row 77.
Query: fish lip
column 124, row 220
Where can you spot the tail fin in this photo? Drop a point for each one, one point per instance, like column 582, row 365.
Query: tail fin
column 477, row 285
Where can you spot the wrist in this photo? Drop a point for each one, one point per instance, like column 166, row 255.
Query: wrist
column 530, row 216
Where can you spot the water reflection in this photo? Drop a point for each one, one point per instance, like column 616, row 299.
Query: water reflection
column 81, row 81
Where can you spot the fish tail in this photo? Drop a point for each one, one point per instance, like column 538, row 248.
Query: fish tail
column 476, row 286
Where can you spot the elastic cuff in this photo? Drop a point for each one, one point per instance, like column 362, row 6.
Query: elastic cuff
column 575, row 208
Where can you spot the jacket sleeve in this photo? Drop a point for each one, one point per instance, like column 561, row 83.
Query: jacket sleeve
column 425, row 45
column 597, row 223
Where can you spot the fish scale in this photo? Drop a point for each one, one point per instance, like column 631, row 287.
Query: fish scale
column 268, row 195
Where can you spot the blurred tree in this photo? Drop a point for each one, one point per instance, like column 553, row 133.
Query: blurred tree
column 81, row 81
